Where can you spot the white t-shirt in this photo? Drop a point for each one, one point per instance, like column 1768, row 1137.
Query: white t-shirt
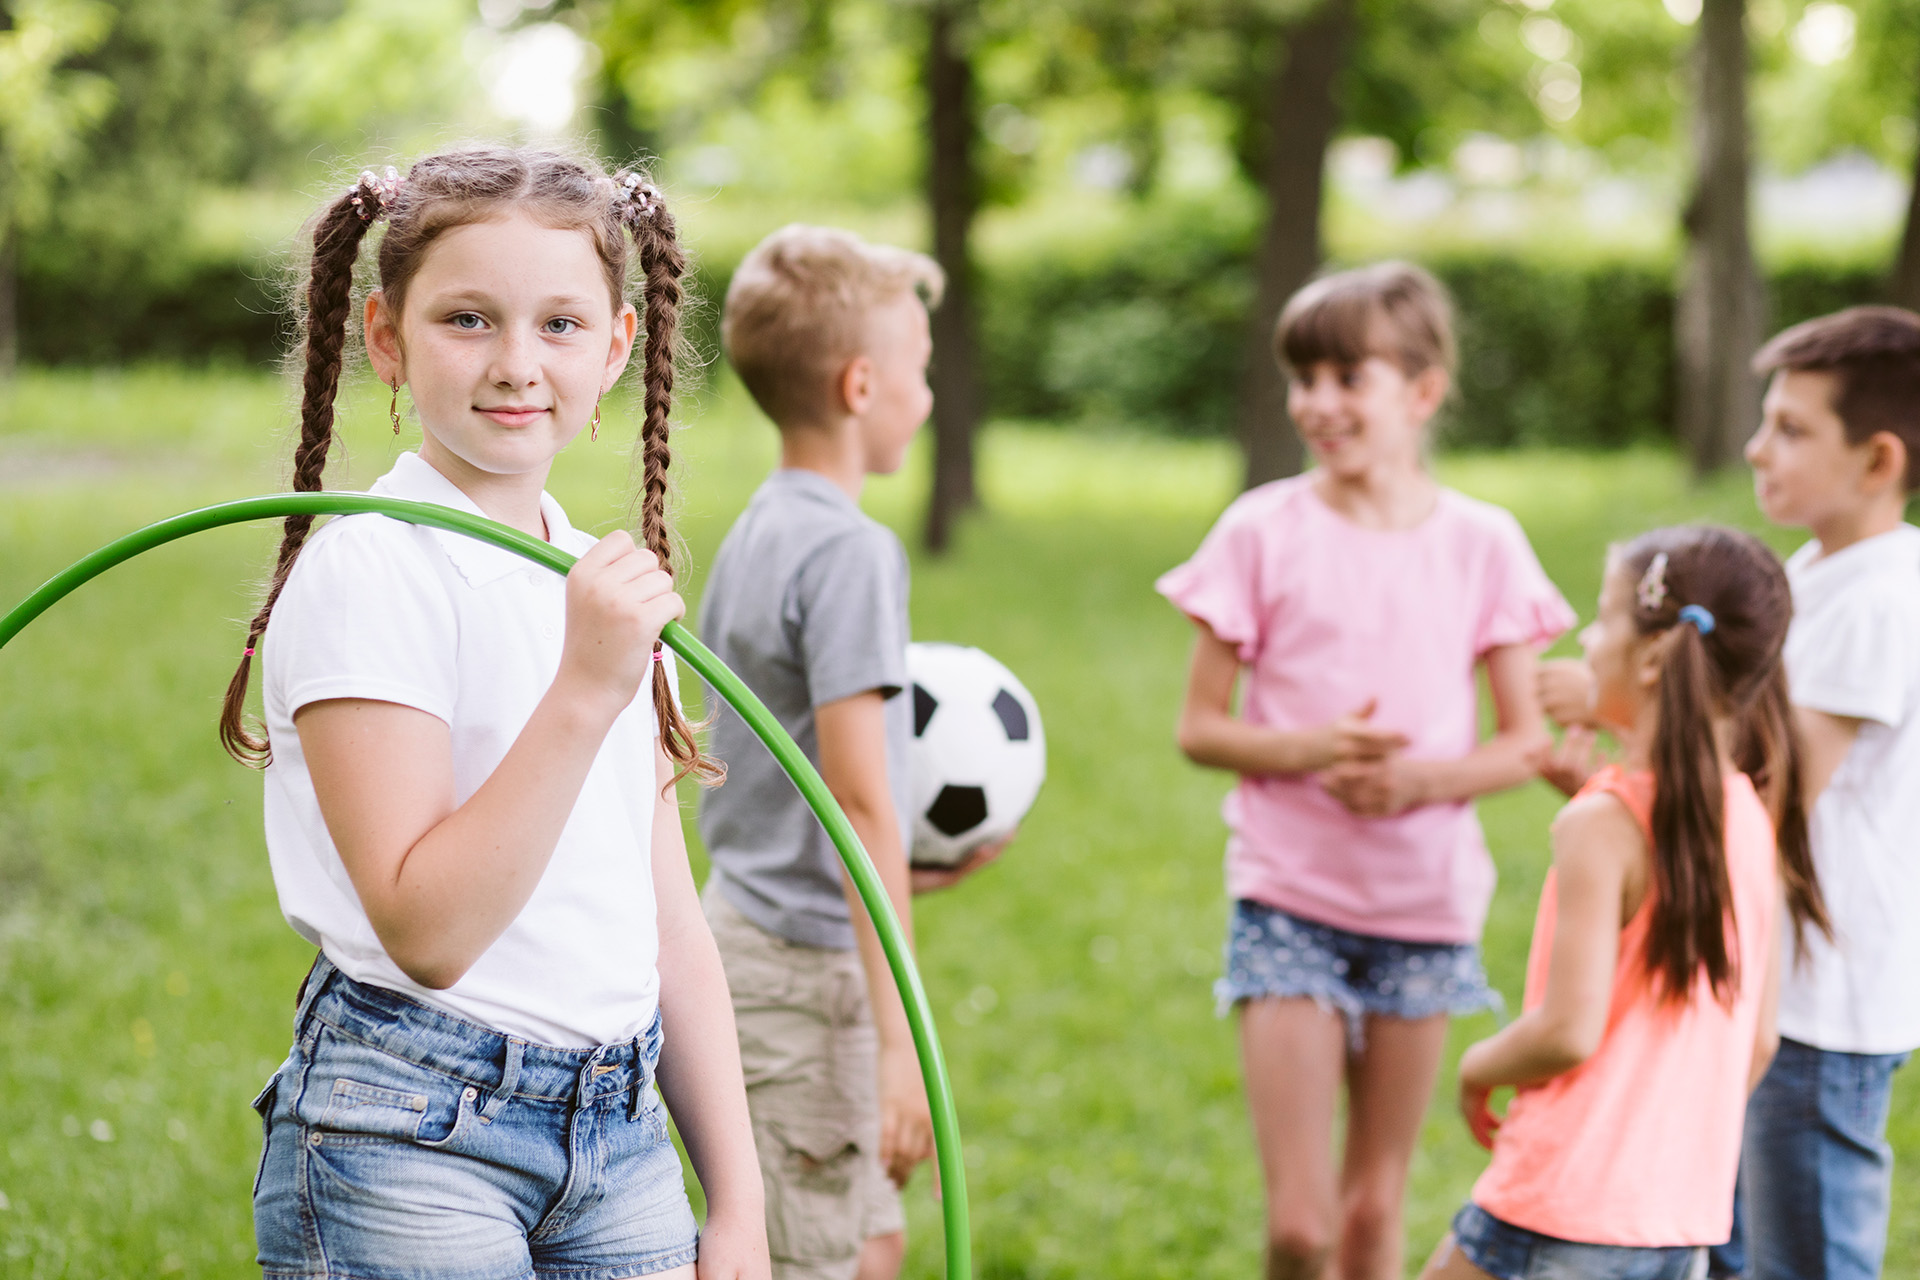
column 1854, row 650
column 470, row 633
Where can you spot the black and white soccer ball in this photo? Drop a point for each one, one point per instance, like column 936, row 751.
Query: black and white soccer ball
column 979, row 755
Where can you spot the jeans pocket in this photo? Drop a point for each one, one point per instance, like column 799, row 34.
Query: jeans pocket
column 263, row 1104
column 355, row 1093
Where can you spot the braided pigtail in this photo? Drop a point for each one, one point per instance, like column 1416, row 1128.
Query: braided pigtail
column 336, row 246
column 662, row 262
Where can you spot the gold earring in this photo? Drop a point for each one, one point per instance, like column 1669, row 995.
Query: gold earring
column 393, row 409
column 594, row 427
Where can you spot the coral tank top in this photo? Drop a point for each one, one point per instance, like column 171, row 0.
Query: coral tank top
column 1639, row 1144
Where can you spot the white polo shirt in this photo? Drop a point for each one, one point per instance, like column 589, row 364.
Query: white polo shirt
column 465, row 631
column 1854, row 650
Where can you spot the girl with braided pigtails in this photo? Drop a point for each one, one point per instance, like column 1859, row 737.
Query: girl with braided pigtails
column 469, row 805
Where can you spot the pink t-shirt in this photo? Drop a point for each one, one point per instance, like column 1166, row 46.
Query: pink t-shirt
column 1328, row 615
column 1639, row 1144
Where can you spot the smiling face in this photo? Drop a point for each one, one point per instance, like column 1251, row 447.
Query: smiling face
column 898, row 347
column 1354, row 418
column 1804, row 470
column 507, row 339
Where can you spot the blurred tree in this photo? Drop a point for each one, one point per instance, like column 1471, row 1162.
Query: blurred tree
column 1719, row 318
column 46, row 110
column 953, row 202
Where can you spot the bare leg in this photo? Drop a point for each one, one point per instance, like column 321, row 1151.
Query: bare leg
column 881, row 1256
column 1293, row 1053
column 1448, row 1263
column 1389, row 1084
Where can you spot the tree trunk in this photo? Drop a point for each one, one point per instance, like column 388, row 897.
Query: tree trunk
column 1719, row 321
column 1301, row 115
column 953, row 198
column 1903, row 287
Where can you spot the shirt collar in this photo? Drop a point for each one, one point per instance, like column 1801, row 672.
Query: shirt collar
column 480, row 563
column 801, row 480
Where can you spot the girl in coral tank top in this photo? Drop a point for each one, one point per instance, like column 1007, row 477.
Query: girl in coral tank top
column 1655, row 962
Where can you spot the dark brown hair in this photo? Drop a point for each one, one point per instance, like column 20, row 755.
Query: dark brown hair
column 1394, row 310
column 1873, row 354
column 1728, row 668
column 439, row 193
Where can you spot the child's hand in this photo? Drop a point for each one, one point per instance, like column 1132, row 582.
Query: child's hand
column 933, row 879
column 906, row 1120
column 1476, row 1104
column 618, row 600
column 1376, row 788
column 1565, row 686
column 733, row 1247
column 1572, row 760
column 1355, row 737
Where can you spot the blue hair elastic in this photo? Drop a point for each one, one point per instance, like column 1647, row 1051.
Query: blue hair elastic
column 1697, row 614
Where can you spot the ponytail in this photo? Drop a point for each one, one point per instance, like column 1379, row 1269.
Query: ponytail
column 662, row 263
column 336, row 246
column 1692, row 893
column 1769, row 753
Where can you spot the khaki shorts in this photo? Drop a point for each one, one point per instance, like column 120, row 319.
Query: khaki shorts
column 807, row 1045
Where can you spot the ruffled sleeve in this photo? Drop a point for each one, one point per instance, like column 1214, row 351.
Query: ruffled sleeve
column 1521, row 605
column 1220, row 584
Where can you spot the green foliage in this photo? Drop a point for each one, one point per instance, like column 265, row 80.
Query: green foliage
column 45, row 110
column 146, row 976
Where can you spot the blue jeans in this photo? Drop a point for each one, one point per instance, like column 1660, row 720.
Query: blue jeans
column 1816, row 1174
column 1507, row 1252
column 405, row 1142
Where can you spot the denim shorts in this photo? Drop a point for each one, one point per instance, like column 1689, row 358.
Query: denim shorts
column 1507, row 1252
column 406, row 1142
column 1271, row 954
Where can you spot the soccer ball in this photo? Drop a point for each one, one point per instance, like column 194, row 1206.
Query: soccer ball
column 979, row 755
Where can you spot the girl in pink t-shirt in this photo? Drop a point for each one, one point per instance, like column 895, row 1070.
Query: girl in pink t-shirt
column 1359, row 601
column 1655, row 963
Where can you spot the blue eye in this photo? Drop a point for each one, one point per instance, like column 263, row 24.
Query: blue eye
column 562, row 325
column 466, row 320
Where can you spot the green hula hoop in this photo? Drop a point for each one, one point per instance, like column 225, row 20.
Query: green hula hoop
column 933, row 1068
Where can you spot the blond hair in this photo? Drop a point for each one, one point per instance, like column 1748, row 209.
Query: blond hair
column 797, row 310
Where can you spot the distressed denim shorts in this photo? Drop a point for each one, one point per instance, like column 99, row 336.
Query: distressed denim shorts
column 1271, row 954
column 1507, row 1252
column 402, row 1141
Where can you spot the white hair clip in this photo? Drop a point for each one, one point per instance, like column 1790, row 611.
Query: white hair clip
column 638, row 195
column 1652, row 592
column 385, row 186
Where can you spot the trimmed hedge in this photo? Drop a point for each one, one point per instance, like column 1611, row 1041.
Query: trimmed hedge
column 1142, row 325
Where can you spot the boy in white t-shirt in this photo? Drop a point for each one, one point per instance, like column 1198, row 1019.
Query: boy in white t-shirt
column 1838, row 453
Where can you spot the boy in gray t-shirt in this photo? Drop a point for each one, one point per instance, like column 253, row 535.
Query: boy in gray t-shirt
column 807, row 602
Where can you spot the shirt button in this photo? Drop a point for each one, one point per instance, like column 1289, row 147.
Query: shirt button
column 548, row 632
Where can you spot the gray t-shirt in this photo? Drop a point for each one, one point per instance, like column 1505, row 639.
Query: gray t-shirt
column 807, row 603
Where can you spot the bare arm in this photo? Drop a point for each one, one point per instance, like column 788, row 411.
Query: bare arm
column 1210, row 734
column 1766, row 1031
column 853, row 763
column 699, row 1073
column 1826, row 740
column 440, row 883
column 1597, row 850
column 1510, row 757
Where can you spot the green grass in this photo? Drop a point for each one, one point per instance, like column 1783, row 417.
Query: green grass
column 146, row 978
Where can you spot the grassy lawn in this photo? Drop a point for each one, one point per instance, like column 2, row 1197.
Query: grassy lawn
column 146, row 978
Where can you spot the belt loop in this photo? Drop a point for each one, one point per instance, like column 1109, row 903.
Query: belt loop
column 639, row 1079
column 509, row 1077
column 316, row 981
